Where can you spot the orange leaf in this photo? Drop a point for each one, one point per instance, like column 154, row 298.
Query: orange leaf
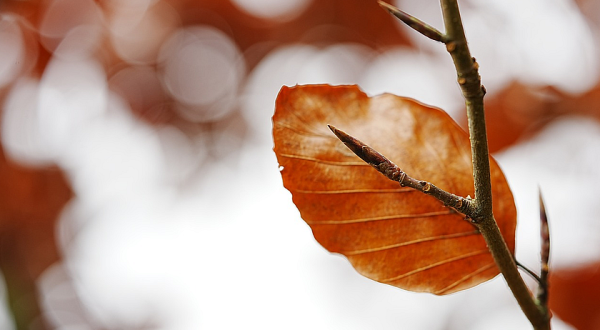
column 391, row 234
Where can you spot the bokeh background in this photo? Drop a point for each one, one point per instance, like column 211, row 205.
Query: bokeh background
column 138, row 188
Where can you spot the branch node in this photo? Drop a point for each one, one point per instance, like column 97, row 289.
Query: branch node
column 450, row 46
column 426, row 186
column 402, row 177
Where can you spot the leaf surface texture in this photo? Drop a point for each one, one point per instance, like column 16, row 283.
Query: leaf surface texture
column 391, row 234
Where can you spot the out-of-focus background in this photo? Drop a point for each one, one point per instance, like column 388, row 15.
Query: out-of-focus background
column 138, row 188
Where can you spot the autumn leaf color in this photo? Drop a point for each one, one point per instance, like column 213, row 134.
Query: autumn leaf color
column 391, row 234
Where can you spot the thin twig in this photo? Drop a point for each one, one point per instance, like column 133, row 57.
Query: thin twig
column 473, row 92
column 528, row 271
column 394, row 173
column 481, row 207
column 545, row 254
column 415, row 23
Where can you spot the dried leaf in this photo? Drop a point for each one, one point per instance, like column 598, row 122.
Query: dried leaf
column 391, row 234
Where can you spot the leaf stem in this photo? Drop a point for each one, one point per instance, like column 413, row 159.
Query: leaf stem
column 473, row 92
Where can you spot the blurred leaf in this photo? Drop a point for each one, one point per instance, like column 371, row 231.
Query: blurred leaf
column 30, row 202
column 518, row 112
column 574, row 295
column 391, row 234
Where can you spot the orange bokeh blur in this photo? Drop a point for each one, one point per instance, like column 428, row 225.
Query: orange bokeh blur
column 104, row 100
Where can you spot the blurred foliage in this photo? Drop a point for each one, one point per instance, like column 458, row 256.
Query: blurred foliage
column 32, row 198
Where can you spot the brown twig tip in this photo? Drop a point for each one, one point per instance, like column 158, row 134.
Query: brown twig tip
column 353, row 144
column 544, row 232
column 415, row 23
column 367, row 154
column 545, row 254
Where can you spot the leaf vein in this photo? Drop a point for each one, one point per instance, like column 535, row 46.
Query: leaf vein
column 464, row 278
column 328, row 162
column 355, row 191
column 443, row 262
column 307, row 132
column 386, row 217
column 420, row 240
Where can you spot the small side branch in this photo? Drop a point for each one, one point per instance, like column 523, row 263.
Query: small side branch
column 394, row 173
column 528, row 271
column 415, row 23
column 542, row 295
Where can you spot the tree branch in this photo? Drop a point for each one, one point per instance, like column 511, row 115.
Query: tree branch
column 473, row 92
column 470, row 84
column 479, row 209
